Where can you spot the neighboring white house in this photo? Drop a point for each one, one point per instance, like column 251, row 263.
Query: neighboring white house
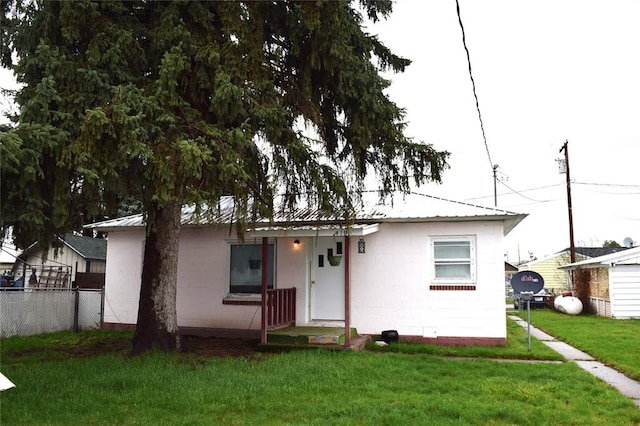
column 615, row 280
column 430, row 268
column 66, row 258
column 8, row 255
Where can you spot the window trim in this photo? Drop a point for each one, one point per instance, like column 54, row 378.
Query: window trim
column 245, row 297
column 447, row 283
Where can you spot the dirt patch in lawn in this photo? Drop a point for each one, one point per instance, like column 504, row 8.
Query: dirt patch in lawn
column 218, row 347
column 205, row 347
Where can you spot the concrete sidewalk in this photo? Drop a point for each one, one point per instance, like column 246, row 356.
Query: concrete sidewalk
column 628, row 387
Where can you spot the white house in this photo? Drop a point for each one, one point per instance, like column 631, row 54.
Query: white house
column 614, row 283
column 428, row 267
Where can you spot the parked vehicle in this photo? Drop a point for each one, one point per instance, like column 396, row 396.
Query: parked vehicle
column 539, row 300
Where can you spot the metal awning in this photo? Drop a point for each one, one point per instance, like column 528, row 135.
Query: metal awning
column 356, row 230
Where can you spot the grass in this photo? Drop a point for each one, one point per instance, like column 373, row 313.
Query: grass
column 54, row 346
column 613, row 342
column 517, row 348
column 297, row 388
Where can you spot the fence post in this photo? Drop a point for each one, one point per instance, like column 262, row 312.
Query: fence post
column 102, row 296
column 76, row 306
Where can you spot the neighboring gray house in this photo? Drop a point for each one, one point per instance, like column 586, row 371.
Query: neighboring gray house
column 69, row 259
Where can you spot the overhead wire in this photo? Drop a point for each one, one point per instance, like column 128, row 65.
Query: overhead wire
column 621, row 185
column 622, row 188
column 513, row 191
column 473, row 84
column 524, row 196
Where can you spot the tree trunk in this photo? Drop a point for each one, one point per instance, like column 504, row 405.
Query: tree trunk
column 157, row 325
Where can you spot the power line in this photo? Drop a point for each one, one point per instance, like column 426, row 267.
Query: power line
column 524, row 196
column 513, row 191
column 473, row 84
column 608, row 184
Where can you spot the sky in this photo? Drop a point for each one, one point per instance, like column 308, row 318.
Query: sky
column 546, row 72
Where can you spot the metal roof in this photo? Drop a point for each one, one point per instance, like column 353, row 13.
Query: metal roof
column 412, row 207
column 354, row 230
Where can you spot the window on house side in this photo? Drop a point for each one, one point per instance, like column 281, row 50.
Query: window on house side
column 245, row 274
column 454, row 260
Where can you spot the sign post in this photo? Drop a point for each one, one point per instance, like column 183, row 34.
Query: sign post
column 528, row 295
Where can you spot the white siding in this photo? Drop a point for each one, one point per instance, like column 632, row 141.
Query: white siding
column 624, row 291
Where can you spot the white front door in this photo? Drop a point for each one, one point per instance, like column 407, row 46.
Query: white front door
column 327, row 281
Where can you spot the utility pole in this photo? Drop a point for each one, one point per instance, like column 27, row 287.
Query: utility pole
column 495, row 188
column 572, row 246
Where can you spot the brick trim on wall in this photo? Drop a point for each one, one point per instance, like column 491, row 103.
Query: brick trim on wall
column 241, row 302
column 449, row 287
column 456, row 341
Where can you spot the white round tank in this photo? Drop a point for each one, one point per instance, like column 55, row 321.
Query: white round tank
column 572, row 305
column 557, row 301
column 568, row 305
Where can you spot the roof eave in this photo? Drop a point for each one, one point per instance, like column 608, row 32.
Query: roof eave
column 510, row 222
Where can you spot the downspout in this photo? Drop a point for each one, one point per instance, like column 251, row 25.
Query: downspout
column 347, row 292
column 263, row 285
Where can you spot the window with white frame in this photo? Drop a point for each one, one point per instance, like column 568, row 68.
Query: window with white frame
column 245, row 273
column 454, row 259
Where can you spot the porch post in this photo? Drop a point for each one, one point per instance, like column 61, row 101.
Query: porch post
column 265, row 271
column 347, row 292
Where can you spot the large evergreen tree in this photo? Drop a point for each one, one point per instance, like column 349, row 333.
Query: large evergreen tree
column 175, row 102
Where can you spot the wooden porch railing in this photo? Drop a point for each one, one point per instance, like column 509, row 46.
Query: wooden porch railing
column 281, row 308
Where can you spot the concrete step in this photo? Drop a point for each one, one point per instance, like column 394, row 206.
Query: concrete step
column 309, row 336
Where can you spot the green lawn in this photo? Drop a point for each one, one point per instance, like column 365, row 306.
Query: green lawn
column 297, row 388
column 517, row 348
column 613, row 342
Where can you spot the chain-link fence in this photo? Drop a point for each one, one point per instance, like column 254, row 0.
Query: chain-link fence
column 26, row 312
column 90, row 309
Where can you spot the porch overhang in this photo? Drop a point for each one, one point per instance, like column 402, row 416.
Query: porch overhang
column 328, row 230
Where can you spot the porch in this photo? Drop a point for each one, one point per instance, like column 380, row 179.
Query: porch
column 281, row 332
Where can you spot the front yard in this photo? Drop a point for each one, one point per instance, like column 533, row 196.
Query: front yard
column 87, row 378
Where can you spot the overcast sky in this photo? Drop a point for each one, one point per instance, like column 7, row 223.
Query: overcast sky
column 546, row 72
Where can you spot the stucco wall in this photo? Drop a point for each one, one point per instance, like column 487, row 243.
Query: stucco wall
column 203, row 275
column 122, row 276
column 390, row 282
